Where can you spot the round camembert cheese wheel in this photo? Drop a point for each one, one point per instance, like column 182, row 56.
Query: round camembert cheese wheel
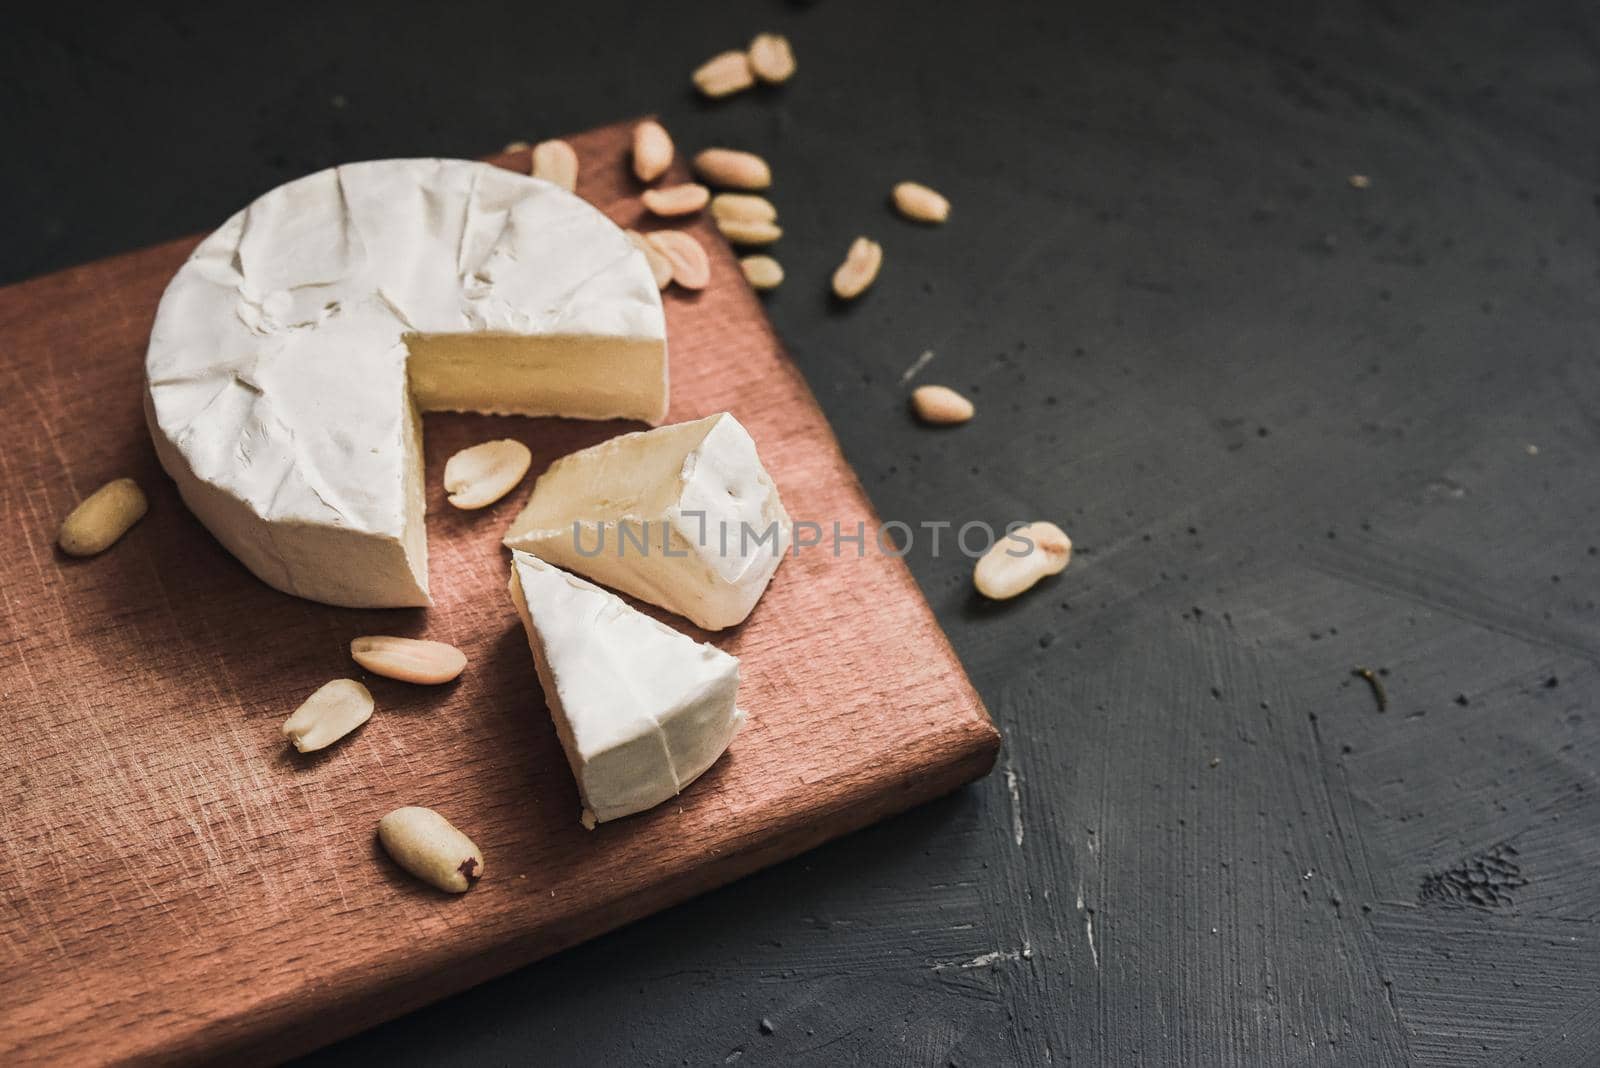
column 292, row 352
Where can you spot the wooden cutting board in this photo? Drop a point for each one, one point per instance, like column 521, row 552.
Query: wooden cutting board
column 177, row 884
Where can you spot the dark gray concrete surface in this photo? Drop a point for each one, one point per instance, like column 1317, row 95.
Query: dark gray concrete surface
column 1294, row 427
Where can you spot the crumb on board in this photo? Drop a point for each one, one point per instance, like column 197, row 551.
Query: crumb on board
column 1376, row 683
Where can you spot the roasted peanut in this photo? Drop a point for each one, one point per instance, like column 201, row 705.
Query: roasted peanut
column 428, row 846
column 1017, row 561
column 102, row 517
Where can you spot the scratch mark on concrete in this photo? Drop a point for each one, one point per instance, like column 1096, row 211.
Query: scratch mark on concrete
column 1016, row 803
column 1088, row 926
column 985, row 960
column 921, row 361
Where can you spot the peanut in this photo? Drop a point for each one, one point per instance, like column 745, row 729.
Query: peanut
column 1017, row 561
column 749, row 233
column 940, row 405
column 762, row 272
column 408, row 659
column 652, row 150
column 772, row 58
column 685, row 199
column 660, row 266
column 742, row 207
column 102, row 517
column 730, row 168
column 476, row 477
column 556, row 161
column 335, row 710
column 723, row 75
column 859, row 269
column 919, row 203
column 428, row 846
column 691, row 269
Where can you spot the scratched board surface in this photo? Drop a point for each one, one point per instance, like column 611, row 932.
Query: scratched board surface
column 177, row 883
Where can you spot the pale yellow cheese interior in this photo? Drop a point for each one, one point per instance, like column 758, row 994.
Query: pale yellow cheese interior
column 568, row 375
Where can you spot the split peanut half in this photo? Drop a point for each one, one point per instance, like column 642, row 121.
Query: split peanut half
column 772, row 58
column 762, row 272
column 336, row 709
column 556, row 161
column 413, row 660
column 691, row 268
column 723, row 75
column 652, row 150
column 673, row 200
column 919, row 203
column 478, row 476
column 941, row 405
column 742, row 207
column 660, row 266
column 1020, row 559
column 859, row 269
column 732, row 168
column 749, row 233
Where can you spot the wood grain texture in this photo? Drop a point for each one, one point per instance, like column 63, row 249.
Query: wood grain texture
column 177, row 884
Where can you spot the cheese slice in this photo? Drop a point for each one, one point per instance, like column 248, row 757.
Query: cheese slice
column 292, row 352
column 641, row 710
column 684, row 517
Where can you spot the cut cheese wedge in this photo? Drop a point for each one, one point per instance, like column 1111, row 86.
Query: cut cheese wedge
column 292, row 352
column 684, row 517
column 641, row 710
